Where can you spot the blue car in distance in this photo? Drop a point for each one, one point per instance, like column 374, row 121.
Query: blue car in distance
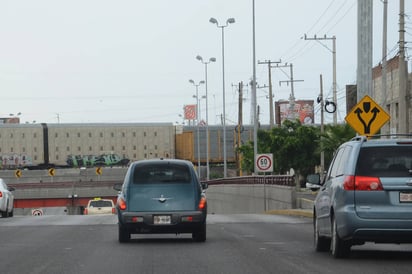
column 366, row 196
column 161, row 196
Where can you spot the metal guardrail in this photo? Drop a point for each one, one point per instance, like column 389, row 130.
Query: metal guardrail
column 284, row 180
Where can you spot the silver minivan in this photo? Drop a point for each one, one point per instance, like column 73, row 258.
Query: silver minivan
column 366, row 196
column 161, row 196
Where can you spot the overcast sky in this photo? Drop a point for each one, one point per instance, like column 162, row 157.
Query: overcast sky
column 83, row 61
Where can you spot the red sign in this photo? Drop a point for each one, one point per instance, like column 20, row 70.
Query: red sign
column 190, row 112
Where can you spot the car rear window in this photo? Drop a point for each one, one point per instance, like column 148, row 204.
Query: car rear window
column 101, row 203
column 395, row 161
column 161, row 173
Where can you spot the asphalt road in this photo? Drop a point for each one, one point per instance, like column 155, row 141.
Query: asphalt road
column 249, row 243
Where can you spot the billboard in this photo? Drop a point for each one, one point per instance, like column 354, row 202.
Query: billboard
column 10, row 120
column 190, row 112
column 303, row 110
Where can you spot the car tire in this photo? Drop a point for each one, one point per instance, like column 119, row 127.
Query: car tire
column 5, row 213
column 339, row 247
column 11, row 213
column 124, row 234
column 322, row 244
column 200, row 235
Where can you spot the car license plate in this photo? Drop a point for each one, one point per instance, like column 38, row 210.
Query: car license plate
column 405, row 197
column 162, row 220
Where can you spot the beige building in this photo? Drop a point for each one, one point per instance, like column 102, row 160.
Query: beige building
column 21, row 144
column 390, row 100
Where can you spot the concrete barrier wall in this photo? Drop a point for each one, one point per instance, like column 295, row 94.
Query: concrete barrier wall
column 232, row 199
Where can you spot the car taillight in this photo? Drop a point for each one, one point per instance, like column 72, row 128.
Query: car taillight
column 121, row 203
column 1, row 194
column 113, row 210
column 362, row 183
column 85, row 212
column 202, row 203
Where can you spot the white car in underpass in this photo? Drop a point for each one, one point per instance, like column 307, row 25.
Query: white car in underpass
column 6, row 200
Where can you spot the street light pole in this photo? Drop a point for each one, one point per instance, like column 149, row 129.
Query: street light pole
column 211, row 59
column 228, row 21
column 254, row 96
column 197, row 118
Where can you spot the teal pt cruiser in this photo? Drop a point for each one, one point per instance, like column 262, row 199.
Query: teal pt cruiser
column 161, row 196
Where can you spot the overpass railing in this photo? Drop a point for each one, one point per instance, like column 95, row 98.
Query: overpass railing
column 281, row 180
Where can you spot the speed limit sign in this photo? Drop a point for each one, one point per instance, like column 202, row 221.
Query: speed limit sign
column 264, row 162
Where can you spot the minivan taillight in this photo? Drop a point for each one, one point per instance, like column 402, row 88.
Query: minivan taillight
column 121, row 203
column 362, row 183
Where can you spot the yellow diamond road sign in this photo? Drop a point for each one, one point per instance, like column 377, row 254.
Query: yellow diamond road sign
column 99, row 171
column 51, row 172
column 17, row 173
column 367, row 117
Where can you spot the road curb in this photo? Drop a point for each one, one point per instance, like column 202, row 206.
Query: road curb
column 292, row 212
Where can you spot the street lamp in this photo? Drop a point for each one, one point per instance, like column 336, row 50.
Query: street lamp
column 254, row 97
column 197, row 118
column 14, row 118
column 211, row 59
column 228, row 21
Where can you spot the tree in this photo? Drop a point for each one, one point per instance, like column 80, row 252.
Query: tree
column 296, row 146
column 292, row 146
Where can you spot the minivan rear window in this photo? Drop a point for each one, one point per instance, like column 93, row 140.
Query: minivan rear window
column 161, row 173
column 394, row 161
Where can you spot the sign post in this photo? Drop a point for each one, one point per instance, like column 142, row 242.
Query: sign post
column 264, row 163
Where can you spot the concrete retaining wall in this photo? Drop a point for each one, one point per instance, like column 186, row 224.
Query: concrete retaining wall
column 231, row 199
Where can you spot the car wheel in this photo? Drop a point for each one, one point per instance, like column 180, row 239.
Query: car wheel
column 339, row 247
column 124, row 234
column 5, row 213
column 200, row 235
column 11, row 213
column 321, row 243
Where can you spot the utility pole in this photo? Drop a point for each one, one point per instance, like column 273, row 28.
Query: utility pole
column 291, row 81
column 382, row 97
column 403, row 98
column 271, row 114
column 333, row 38
column 384, row 50
column 365, row 46
column 322, row 130
column 240, row 128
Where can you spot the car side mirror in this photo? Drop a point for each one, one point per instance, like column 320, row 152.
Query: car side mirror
column 118, row 187
column 11, row 188
column 313, row 182
column 204, row 185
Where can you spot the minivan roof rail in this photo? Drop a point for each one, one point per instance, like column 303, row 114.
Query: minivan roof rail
column 360, row 138
column 392, row 136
